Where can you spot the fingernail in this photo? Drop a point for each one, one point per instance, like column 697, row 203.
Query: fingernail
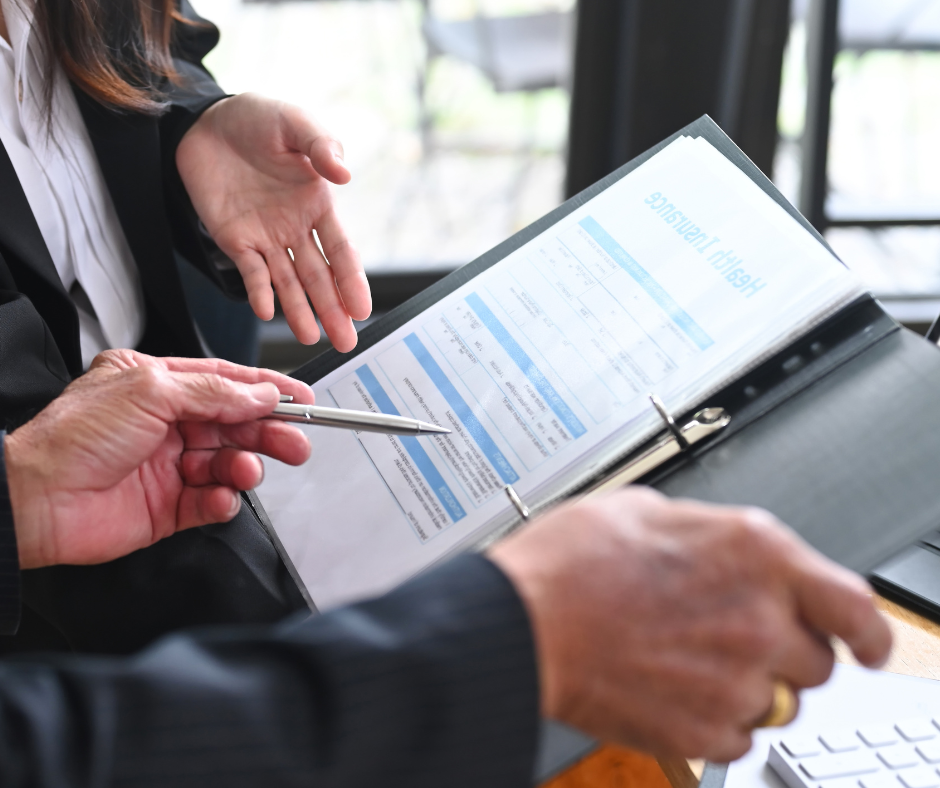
column 264, row 393
column 236, row 506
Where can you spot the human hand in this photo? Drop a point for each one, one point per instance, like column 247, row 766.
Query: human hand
column 663, row 625
column 139, row 448
column 258, row 174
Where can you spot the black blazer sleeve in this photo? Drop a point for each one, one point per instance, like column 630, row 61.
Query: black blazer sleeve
column 431, row 685
column 188, row 97
column 9, row 560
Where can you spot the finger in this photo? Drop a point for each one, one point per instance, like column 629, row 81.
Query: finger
column 317, row 278
column 234, row 468
column 205, row 505
column 726, row 745
column 324, row 151
column 720, row 729
column 275, row 439
column 257, row 278
column 346, row 266
column 772, row 715
column 300, row 391
column 283, row 442
column 835, row 601
column 293, row 298
column 830, row 599
column 122, row 358
column 806, row 660
column 198, row 396
column 327, row 156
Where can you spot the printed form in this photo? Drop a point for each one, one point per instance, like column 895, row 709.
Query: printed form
column 673, row 280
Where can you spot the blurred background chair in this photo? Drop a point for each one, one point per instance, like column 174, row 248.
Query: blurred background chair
column 524, row 53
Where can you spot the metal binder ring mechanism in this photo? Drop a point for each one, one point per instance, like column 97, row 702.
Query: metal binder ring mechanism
column 670, row 422
column 516, row 501
column 678, row 439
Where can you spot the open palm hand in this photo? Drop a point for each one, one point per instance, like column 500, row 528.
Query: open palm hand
column 258, row 173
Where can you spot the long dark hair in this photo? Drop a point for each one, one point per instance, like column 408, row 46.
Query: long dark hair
column 116, row 51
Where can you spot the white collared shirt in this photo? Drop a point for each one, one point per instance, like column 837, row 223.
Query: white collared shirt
column 66, row 190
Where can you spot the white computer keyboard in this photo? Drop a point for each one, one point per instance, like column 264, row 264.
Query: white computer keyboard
column 902, row 754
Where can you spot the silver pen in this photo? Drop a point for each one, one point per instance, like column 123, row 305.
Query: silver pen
column 359, row 420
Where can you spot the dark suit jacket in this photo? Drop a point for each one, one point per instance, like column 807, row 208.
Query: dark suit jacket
column 432, row 685
column 214, row 575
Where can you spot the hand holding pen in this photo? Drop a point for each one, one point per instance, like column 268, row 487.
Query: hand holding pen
column 164, row 443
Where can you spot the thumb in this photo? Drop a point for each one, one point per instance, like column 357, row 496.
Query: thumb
column 326, row 156
column 203, row 505
column 324, row 151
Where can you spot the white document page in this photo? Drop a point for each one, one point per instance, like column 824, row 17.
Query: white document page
column 674, row 280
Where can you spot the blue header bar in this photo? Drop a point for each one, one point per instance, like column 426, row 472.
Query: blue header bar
column 415, row 450
column 532, row 372
column 679, row 316
column 497, row 459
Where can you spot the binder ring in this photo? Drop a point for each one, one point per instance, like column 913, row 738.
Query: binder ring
column 670, row 422
column 516, row 501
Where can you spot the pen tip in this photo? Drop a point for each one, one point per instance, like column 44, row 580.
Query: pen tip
column 434, row 429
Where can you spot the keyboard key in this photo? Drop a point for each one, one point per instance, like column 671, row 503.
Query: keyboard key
column 825, row 767
column 840, row 741
column 899, row 757
column 930, row 751
column 879, row 781
column 919, row 778
column 878, row 735
column 916, row 730
column 801, row 746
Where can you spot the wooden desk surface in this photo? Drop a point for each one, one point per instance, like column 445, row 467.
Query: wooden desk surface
column 916, row 653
